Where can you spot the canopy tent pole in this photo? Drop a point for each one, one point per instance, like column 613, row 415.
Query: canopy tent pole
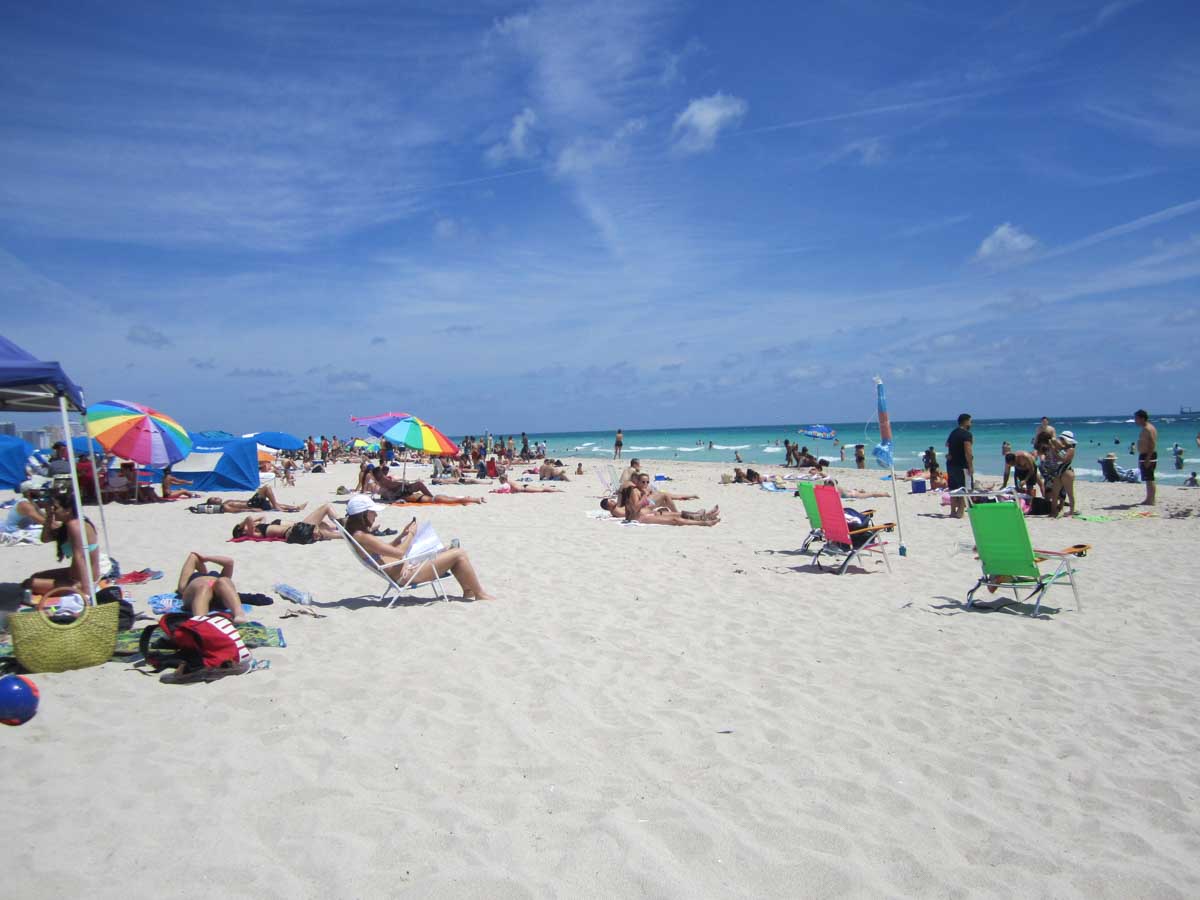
column 100, row 504
column 87, row 557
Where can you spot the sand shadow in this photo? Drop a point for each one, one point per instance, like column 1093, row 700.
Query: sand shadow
column 995, row 604
column 372, row 601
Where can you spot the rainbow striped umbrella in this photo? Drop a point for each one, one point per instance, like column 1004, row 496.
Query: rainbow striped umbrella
column 414, row 433
column 139, row 433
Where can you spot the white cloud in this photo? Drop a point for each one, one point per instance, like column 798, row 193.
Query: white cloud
column 1006, row 242
column 697, row 127
column 444, row 229
column 584, row 154
column 518, row 144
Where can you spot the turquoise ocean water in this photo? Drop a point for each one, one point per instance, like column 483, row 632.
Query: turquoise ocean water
column 763, row 444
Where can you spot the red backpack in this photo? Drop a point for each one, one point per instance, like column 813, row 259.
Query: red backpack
column 208, row 642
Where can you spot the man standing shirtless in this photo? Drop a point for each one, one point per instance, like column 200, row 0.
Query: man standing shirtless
column 1147, row 447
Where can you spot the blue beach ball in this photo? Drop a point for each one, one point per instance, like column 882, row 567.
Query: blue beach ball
column 18, row 700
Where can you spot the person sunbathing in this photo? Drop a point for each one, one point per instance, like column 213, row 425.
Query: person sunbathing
column 634, row 508
column 361, row 514
column 169, row 481
column 392, row 491
column 263, row 499
column 77, row 544
column 508, row 487
column 318, row 525
column 855, row 493
column 749, row 476
column 550, row 471
column 659, row 500
column 198, row 587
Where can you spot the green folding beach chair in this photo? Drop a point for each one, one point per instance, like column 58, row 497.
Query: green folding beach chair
column 804, row 490
column 1009, row 560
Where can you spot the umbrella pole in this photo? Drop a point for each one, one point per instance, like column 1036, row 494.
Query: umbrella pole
column 100, row 504
column 896, row 503
column 87, row 557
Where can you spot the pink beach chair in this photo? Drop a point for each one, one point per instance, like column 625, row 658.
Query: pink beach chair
column 840, row 537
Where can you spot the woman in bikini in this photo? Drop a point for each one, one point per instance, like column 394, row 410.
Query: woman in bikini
column 169, row 481
column 77, row 544
column 360, row 520
column 263, row 499
column 508, row 487
column 635, row 508
column 318, row 525
column 198, row 587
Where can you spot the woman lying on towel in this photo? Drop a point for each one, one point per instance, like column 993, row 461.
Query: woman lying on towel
column 393, row 490
column 198, row 587
column 361, row 513
column 508, row 487
column 318, row 525
column 262, row 499
column 635, row 507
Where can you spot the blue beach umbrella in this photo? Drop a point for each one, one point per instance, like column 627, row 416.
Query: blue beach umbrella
column 820, row 432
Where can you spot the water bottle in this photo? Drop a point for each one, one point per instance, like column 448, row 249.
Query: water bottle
column 304, row 598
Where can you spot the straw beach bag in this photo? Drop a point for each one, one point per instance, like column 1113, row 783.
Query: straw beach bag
column 41, row 645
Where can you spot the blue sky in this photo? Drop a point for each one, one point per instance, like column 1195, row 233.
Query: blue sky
column 567, row 216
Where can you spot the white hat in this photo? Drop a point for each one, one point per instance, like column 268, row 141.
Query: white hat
column 1068, row 436
column 30, row 485
column 361, row 503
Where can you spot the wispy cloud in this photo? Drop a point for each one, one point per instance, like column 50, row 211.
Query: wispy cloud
column 672, row 72
column 1007, row 242
column 257, row 373
column 887, row 109
column 1163, row 215
column 518, row 144
column 1102, row 17
column 933, row 225
column 584, row 154
column 202, row 364
column 147, row 336
column 697, row 127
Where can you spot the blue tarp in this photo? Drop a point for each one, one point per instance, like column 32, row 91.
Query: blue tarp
column 28, row 384
column 14, row 453
column 232, row 466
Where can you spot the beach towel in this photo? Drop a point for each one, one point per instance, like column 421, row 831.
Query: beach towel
column 774, row 488
column 254, row 635
column 140, row 577
column 447, row 501
column 162, row 604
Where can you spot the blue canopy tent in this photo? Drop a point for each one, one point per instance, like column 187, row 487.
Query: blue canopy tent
column 14, row 453
column 219, row 465
column 28, row 384
column 278, row 440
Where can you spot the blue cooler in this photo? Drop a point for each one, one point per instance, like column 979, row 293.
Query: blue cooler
column 918, row 485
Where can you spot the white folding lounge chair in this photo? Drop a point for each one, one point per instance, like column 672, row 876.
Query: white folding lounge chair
column 425, row 546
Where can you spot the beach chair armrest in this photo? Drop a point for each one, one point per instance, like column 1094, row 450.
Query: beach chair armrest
column 888, row 527
column 1079, row 550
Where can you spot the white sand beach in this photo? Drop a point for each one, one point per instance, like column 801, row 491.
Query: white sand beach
column 643, row 711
